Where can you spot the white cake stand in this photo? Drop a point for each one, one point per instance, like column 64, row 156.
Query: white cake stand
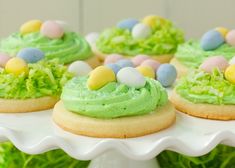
column 35, row 133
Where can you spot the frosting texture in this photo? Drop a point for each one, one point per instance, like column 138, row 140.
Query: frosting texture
column 113, row 100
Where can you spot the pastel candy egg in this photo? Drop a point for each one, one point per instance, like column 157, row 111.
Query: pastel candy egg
column 31, row 55
column 141, row 31
column 114, row 67
column 166, row 74
column 230, row 38
column 127, row 23
column 214, row 62
column 232, row 61
column 79, row 68
column 152, row 63
column 16, row 66
column 125, row 63
column 230, row 74
column 31, row 26
column 91, row 38
column 222, row 31
column 131, row 77
column 52, row 30
column 211, row 40
column 64, row 25
column 3, row 59
column 137, row 60
column 112, row 58
column 99, row 77
column 146, row 71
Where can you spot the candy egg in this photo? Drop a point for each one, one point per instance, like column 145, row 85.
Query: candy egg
column 137, row 60
column 166, row 74
column 31, row 26
column 131, row 77
column 230, row 38
column 214, row 62
column 16, row 66
column 31, row 55
column 64, row 25
column 152, row 63
column 112, row 58
column 146, row 71
column 232, row 61
column 230, row 74
column 211, row 40
column 52, row 30
column 99, row 77
column 222, row 31
column 3, row 59
column 141, row 31
column 114, row 67
column 127, row 23
column 125, row 63
column 79, row 68
column 91, row 38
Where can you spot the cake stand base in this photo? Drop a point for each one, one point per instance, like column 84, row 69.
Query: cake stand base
column 113, row 159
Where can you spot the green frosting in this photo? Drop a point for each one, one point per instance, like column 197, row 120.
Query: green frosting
column 192, row 55
column 45, row 78
column 113, row 100
column 163, row 40
column 202, row 87
column 67, row 49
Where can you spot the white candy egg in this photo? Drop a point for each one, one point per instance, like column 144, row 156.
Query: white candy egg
column 79, row 68
column 141, row 31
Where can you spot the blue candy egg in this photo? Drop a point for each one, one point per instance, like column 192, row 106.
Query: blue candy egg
column 211, row 40
column 114, row 67
column 127, row 23
column 125, row 63
column 31, row 55
column 166, row 74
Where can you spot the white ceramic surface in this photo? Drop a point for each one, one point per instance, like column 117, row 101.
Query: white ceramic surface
column 36, row 133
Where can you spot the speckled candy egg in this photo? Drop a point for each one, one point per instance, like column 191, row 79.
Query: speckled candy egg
column 211, row 40
column 166, row 74
column 99, row 77
column 125, row 63
column 31, row 55
column 131, row 77
column 127, row 23
column 3, row 59
column 79, row 68
column 52, row 30
column 152, row 63
column 222, row 31
column 141, row 31
column 230, row 38
column 16, row 66
column 214, row 62
column 91, row 38
column 31, row 26
column 137, row 60
column 146, row 71
column 114, row 67
column 230, row 74
column 112, row 58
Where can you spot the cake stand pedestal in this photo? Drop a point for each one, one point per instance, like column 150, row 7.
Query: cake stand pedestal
column 36, row 133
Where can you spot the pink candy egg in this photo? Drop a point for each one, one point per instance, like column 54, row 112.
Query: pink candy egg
column 214, row 62
column 230, row 38
column 152, row 63
column 52, row 30
column 3, row 59
column 112, row 58
column 137, row 60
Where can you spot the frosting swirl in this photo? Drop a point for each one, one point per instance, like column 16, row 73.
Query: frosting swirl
column 113, row 100
column 67, row 49
column 192, row 55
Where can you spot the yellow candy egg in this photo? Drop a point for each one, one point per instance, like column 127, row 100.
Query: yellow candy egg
column 31, row 26
column 151, row 20
column 222, row 30
column 99, row 77
column 146, row 71
column 230, row 74
column 16, row 66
